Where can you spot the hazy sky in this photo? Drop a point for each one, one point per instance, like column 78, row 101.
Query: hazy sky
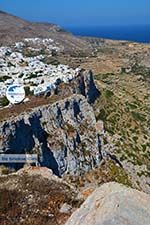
column 81, row 12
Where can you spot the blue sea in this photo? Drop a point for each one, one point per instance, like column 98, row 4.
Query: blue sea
column 138, row 33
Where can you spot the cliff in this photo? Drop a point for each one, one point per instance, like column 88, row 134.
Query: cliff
column 63, row 134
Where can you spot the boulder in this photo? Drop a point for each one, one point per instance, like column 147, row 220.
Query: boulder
column 113, row 204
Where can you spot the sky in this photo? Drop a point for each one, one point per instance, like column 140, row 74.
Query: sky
column 80, row 13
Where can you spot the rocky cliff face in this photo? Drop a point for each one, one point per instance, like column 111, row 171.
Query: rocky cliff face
column 86, row 86
column 63, row 134
column 82, row 84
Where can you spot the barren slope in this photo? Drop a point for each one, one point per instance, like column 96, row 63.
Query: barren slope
column 13, row 29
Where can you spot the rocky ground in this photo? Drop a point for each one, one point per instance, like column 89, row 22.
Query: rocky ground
column 35, row 196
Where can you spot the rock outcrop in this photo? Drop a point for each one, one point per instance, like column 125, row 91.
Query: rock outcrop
column 63, row 134
column 82, row 84
column 113, row 204
column 86, row 86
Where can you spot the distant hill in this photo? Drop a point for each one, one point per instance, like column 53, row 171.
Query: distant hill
column 14, row 29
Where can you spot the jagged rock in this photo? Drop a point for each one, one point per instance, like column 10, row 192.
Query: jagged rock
column 63, row 134
column 85, row 85
column 82, row 84
column 113, row 204
column 91, row 91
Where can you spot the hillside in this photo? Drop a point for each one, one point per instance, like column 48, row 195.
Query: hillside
column 122, row 73
column 14, row 29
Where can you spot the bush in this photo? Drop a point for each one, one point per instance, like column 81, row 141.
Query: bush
column 108, row 94
column 4, row 101
column 21, row 75
column 138, row 116
column 101, row 115
column 4, row 78
column 4, row 170
column 27, row 91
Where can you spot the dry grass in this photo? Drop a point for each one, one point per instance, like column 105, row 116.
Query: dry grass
column 26, row 200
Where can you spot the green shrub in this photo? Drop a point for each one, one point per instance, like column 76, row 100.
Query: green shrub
column 27, row 91
column 108, row 94
column 4, row 78
column 21, row 75
column 138, row 116
column 4, row 170
column 132, row 106
column 4, row 101
column 9, row 64
column 101, row 115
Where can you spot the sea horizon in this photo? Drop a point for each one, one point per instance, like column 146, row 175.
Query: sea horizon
column 133, row 33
